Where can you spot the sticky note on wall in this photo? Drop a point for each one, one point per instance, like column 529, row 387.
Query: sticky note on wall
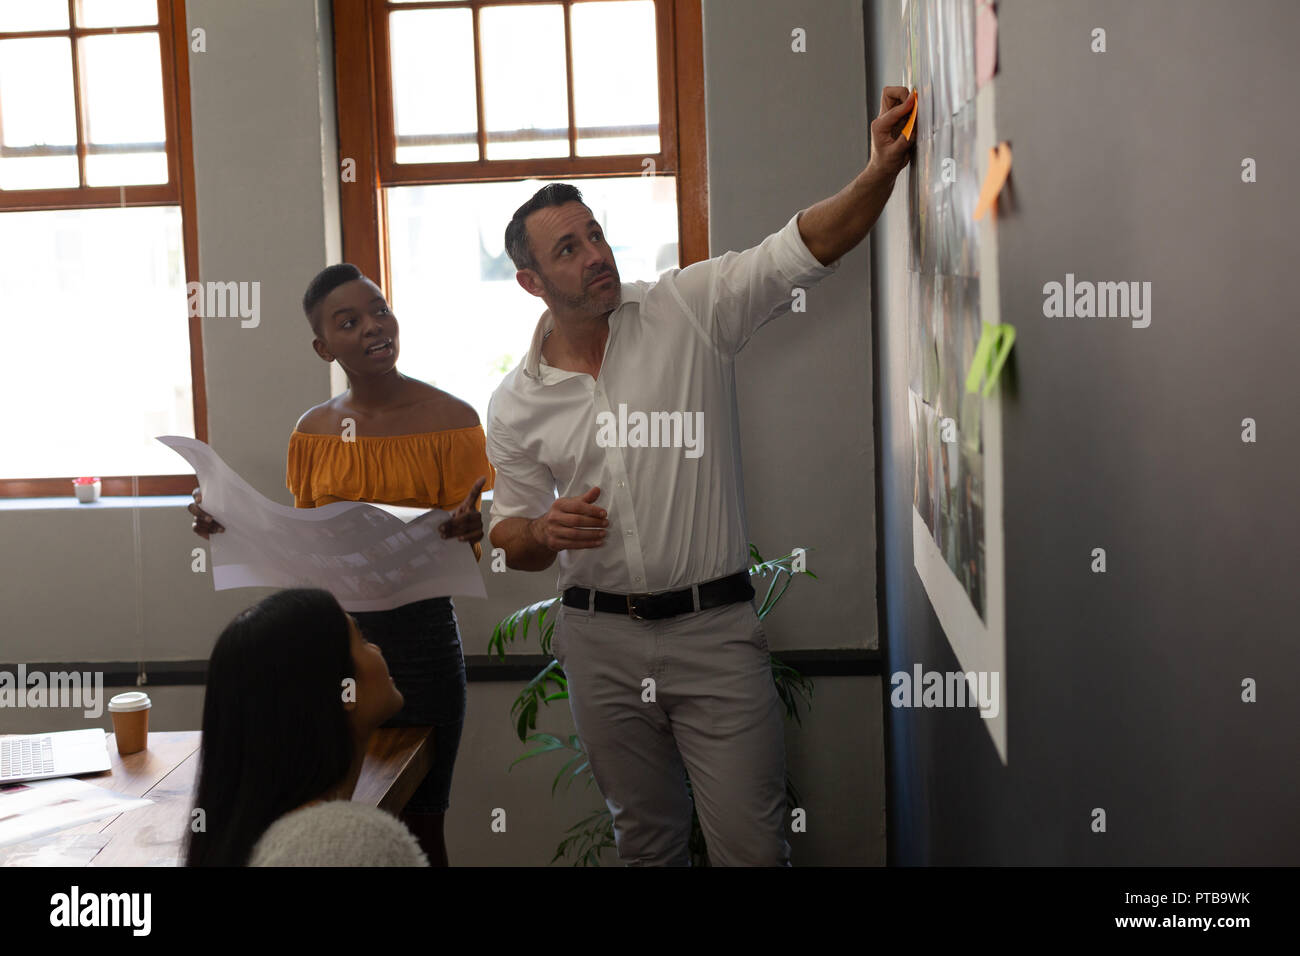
column 994, row 179
column 986, row 42
column 990, row 355
column 911, row 120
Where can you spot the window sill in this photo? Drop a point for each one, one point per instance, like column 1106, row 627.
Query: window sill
column 109, row 502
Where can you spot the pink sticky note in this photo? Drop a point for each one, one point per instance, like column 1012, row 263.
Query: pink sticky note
column 986, row 42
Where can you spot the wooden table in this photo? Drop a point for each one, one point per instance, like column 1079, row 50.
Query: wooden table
column 396, row 761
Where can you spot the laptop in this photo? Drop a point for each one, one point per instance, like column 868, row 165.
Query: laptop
column 62, row 754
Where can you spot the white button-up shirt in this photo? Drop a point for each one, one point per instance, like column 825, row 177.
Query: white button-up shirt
column 671, row 481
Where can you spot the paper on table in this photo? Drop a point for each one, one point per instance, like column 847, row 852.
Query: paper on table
column 38, row 807
column 55, row 849
column 986, row 42
column 370, row 557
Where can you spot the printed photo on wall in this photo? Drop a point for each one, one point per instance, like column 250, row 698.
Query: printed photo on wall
column 943, row 291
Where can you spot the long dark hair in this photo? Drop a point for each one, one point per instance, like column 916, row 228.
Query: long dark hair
column 275, row 734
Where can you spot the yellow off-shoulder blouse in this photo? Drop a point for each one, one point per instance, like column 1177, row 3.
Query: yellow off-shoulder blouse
column 428, row 470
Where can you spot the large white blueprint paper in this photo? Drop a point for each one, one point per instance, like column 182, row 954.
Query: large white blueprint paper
column 370, row 557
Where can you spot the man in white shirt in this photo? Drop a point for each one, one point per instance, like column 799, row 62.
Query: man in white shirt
column 625, row 408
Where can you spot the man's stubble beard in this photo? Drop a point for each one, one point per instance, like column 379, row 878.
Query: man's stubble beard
column 585, row 303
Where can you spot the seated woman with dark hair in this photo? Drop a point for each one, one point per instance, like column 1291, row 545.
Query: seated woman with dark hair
column 294, row 692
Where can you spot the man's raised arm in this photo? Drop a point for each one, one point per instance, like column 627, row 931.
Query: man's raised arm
column 733, row 295
column 836, row 225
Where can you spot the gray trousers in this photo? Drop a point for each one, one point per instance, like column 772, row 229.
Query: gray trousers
column 652, row 700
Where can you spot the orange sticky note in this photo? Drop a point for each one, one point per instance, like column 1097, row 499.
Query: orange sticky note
column 911, row 120
column 999, row 169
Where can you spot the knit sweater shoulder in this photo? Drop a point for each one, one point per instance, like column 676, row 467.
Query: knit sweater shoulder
column 337, row 833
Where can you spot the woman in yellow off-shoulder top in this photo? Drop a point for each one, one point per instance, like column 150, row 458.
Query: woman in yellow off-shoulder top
column 409, row 444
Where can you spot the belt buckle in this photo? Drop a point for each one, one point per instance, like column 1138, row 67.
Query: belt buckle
column 631, row 609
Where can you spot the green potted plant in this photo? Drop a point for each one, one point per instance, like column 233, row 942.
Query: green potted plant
column 592, row 835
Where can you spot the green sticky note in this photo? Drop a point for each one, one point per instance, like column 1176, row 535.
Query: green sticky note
column 990, row 355
column 980, row 363
column 1006, row 338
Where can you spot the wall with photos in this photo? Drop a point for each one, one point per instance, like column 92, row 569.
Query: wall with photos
column 1123, row 436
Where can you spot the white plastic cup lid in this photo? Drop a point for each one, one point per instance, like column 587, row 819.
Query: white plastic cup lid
column 132, row 700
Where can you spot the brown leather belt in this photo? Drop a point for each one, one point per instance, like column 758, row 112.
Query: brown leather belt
column 653, row 606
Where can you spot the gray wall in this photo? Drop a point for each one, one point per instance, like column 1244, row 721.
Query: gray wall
column 806, row 405
column 263, row 105
column 263, row 110
column 803, row 381
column 1124, row 688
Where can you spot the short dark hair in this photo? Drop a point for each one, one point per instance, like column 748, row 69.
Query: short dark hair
column 325, row 282
column 552, row 194
column 275, row 733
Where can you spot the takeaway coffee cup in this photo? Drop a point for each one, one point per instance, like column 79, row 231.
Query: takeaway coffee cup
column 130, row 721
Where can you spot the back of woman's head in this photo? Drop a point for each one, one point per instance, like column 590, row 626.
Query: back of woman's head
column 275, row 734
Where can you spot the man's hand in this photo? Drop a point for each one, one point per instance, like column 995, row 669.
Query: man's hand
column 571, row 524
column 466, row 522
column 531, row 544
column 890, row 150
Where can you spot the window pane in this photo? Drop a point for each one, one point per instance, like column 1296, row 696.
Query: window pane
column 525, row 85
column 126, row 169
column 38, row 120
column 116, row 13
column 18, row 15
column 123, row 104
column 615, row 78
column 464, row 320
column 96, row 297
column 435, row 111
